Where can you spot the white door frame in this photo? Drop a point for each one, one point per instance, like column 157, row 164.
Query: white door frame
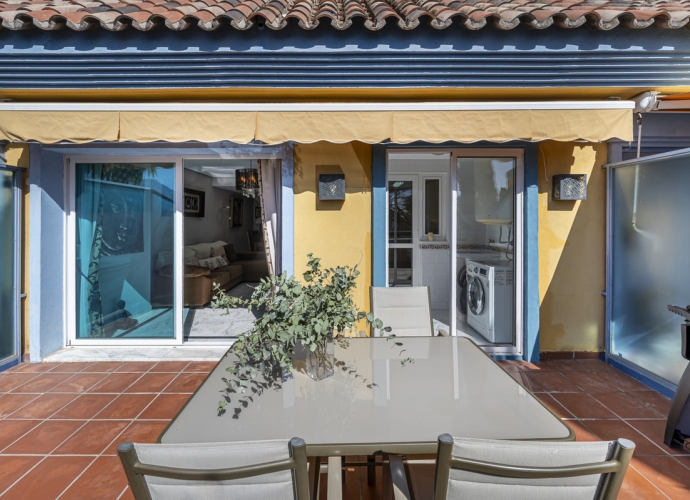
column 455, row 153
column 414, row 179
column 70, row 327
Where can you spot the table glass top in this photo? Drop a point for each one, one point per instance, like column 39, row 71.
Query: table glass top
column 374, row 397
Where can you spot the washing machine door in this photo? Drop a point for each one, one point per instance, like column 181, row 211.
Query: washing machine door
column 475, row 295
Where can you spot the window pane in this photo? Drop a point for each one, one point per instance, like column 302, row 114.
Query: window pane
column 431, row 206
column 7, row 262
column 400, row 267
column 400, row 212
column 485, row 287
column 124, row 250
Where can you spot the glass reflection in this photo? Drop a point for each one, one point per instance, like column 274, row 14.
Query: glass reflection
column 124, row 250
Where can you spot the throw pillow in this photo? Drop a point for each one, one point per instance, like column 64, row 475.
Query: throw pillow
column 208, row 263
column 218, row 252
column 213, row 262
column 191, row 261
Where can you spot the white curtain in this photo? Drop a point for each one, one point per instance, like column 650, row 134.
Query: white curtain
column 88, row 208
column 270, row 193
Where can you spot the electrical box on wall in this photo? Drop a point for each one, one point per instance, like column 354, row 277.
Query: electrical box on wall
column 331, row 187
column 569, row 187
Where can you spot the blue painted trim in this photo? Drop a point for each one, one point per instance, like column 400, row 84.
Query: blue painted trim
column 35, row 233
column 356, row 57
column 669, row 393
column 531, row 254
column 287, row 201
column 378, row 215
column 9, row 364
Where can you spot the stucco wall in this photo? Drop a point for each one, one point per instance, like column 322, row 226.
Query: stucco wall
column 572, row 250
column 337, row 231
column 18, row 156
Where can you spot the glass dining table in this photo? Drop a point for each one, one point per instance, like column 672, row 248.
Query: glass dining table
column 391, row 395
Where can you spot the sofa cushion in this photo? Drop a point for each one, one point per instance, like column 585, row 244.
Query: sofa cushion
column 230, row 254
column 219, row 277
column 233, row 270
column 196, row 271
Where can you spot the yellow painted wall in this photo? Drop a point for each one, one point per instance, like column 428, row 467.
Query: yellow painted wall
column 337, row 231
column 18, row 156
column 572, row 250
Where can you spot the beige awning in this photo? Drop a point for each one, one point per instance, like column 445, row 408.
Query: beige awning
column 306, row 123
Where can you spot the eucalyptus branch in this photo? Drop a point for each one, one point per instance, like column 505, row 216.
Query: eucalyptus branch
column 306, row 311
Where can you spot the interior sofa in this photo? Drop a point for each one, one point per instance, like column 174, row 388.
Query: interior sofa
column 199, row 282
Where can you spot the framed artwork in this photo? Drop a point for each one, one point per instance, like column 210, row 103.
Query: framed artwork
column 257, row 215
column 236, row 211
column 194, row 203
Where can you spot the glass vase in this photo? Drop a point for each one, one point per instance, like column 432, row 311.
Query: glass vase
column 320, row 362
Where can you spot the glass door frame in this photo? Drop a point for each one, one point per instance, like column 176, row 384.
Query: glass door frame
column 70, row 162
column 519, row 155
column 414, row 179
column 16, row 358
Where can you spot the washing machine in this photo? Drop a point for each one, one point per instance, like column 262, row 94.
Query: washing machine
column 490, row 299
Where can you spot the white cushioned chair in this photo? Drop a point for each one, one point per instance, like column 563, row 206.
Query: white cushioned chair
column 406, row 309
column 524, row 470
column 246, row 470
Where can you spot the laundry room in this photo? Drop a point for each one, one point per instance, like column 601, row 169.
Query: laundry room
column 466, row 200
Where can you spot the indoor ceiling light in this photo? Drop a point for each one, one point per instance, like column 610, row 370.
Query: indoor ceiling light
column 247, row 180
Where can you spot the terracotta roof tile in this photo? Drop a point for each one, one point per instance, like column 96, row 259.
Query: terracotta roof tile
column 472, row 14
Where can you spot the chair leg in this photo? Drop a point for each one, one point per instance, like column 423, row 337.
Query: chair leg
column 371, row 470
column 315, row 477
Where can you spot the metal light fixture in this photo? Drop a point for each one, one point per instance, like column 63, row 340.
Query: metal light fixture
column 569, row 187
column 247, row 180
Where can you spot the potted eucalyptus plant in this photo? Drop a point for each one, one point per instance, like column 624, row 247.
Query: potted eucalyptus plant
column 305, row 313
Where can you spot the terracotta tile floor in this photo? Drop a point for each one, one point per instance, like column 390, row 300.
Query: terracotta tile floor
column 60, row 425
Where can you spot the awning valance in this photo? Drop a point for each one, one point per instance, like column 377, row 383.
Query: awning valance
column 305, row 123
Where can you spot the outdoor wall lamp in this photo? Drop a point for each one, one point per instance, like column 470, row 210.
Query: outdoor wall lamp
column 569, row 186
column 331, row 187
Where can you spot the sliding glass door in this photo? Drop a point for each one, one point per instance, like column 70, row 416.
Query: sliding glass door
column 9, row 268
column 125, row 233
column 455, row 225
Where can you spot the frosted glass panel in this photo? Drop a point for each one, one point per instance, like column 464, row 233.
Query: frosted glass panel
column 7, row 245
column 651, row 266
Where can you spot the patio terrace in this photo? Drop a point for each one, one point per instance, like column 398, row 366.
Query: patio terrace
column 60, row 424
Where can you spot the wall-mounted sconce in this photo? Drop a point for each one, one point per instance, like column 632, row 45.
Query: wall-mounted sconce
column 331, row 187
column 569, row 187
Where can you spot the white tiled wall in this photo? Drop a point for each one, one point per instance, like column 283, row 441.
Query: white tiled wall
column 436, row 275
